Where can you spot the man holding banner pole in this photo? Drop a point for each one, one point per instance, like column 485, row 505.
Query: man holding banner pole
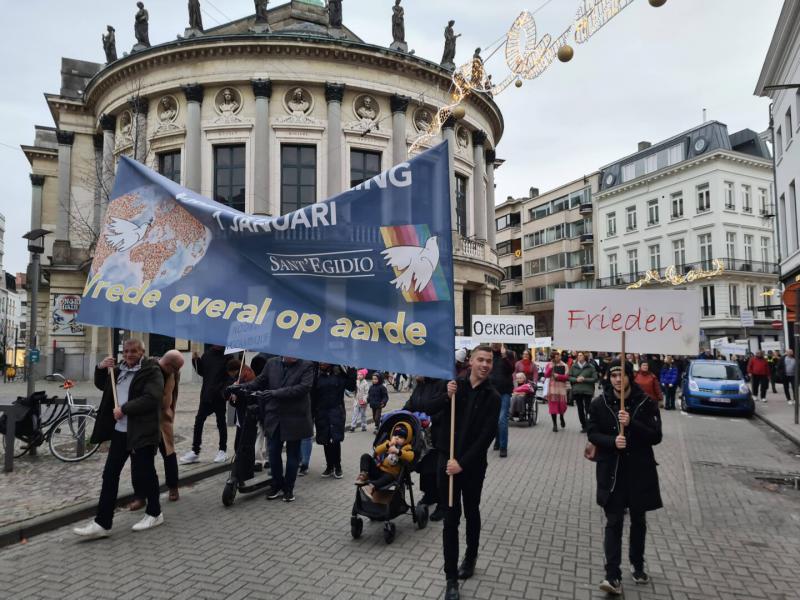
column 627, row 479
column 477, row 408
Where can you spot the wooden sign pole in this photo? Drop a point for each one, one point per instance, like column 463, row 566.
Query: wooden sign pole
column 113, row 385
column 624, row 374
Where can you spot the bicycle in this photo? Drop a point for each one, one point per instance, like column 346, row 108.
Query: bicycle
column 66, row 430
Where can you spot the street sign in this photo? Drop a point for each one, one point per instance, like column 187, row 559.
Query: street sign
column 34, row 354
column 777, row 325
column 748, row 320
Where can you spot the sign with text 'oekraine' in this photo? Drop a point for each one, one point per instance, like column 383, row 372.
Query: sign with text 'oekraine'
column 663, row 321
column 364, row 278
column 508, row 329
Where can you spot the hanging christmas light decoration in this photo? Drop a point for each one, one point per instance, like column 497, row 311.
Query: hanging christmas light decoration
column 672, row 276
column 525, row 56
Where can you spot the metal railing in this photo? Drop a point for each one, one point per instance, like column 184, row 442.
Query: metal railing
column 729, row 264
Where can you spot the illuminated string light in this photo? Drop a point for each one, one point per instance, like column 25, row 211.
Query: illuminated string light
column 672, row 276
column 525, row 57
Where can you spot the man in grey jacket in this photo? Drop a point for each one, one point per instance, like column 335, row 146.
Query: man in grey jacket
column 583, row 377
column 284, row 387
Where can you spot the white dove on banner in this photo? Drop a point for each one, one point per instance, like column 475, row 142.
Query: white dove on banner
column 123, row 235
column 415, row 262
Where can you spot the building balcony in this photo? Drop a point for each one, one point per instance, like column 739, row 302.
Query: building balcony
column 734, row 310
column 587, row 238
column 587, row 270
column 475, row 249
column 586, row 208
column 728, row 264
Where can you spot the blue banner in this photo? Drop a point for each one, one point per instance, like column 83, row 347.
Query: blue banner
column 362, row 279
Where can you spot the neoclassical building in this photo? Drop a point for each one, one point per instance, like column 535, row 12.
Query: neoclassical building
column 266, row 119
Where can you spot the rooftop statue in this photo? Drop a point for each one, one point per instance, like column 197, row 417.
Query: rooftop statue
column 195, row 17
column 141, row 27
column 449, row 55
column 110, row 44
column 335, row 13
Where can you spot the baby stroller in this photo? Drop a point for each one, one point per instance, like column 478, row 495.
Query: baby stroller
column 390, row 501
column 243, row 468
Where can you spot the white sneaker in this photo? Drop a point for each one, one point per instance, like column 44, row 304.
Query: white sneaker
column 221, row 457
column 790, row 402
column 149, row 522
column 764, row 400
column 92, row 531
column 189, row 458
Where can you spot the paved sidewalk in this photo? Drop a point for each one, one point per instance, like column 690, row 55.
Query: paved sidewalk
column 779, row 414
column 43, row 485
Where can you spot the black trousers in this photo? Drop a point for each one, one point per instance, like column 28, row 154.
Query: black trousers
column 219, row 409
column 582, row 401
column 467, row 489
column 612, row 542
column 143, row 474
column 377, row 477
column 333, row 455
column 788, row 384
column 170, row 466
column 760, row 382
column 669, row 397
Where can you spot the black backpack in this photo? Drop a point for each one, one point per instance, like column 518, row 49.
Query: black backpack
column 29, row 421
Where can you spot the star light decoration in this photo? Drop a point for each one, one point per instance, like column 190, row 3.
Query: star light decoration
column 672, row 277
column 525, row 56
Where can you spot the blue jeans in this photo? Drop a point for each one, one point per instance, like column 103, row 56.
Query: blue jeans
column 502, row 422
column 280, row 480
column 306, row 446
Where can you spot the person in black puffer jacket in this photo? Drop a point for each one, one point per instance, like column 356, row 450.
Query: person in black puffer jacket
column 377, row 398
column 430, row 392
column 502, row 378
column 327, row 407
column 627, row 478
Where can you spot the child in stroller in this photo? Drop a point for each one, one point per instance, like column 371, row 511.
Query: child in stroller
column 385, row 475
column 384, row 467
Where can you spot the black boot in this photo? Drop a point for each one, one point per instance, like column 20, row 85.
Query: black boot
column 467, row 568
column 438, row 514
column 563, row 422
column 452, row 590
column 555, row 424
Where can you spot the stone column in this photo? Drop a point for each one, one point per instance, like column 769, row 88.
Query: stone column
column 334, row 93
column 399, row 105
column 449, row 134
column 262, row 89
column 108, row 124
column 65, row 140
column 37, row 184
column 191, row 163
column 98, row 181
column 139, row 107
column 478, row 187
column 491, row 156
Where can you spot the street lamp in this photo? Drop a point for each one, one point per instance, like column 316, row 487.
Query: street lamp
column 36, row 248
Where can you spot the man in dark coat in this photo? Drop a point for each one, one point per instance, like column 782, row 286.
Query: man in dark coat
column 477, row 410
column 627, row 477
column 428, row 392
column 285, row 385
column 133, row 429
column 211, row 367
column 502, row 378
column 327, row 406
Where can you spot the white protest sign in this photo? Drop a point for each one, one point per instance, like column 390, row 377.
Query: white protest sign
column 767, row 346
column 717, row 342
column 733, row 348
column 543, row 342
column 509, row 329
column 663, row 321
column 465, row 342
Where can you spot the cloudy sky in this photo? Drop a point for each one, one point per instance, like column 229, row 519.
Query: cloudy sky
column 646, row 75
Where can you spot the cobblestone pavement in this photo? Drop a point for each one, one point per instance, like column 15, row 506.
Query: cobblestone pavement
column 723, row 532
column 43, row 484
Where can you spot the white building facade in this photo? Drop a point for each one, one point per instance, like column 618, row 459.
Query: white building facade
column 699, row 197
column 782, row 68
